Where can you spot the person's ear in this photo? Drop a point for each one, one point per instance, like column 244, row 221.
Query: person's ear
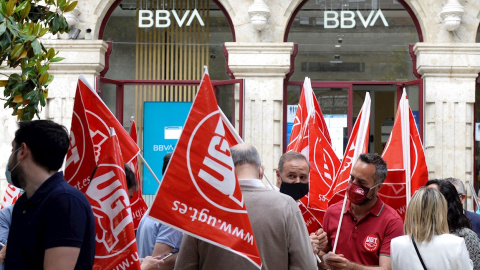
column 262, row 170
column 23, row 151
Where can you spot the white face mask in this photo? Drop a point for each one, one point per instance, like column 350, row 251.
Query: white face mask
column 8, row 173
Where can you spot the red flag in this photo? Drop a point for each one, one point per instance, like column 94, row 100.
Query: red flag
column 310, row 217
column 357, row 144
column 80, row 160
column 307, row 104
column 138, row 205
column 107, row 193
column 200, row 194
column 100, row 119
column 308, row 137
column 11, row 196
column 407, row 169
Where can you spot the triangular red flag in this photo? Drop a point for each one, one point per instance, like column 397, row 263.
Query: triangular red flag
column 100, row 119
column 80, row 160
column 12, row 194
column 307, row 104
column 308, row 137
column 313, row 224
column 324, row 164
column 407, row 168
column 357, row 144
column 138, row 205
column 107, row 193
column 200, row 194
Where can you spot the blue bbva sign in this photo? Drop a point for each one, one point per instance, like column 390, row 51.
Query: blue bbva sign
column 162, row 125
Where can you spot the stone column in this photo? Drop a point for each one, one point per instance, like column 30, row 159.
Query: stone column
column 86, row 57
column 82, row 57
column 449, row 72
column 263, row 66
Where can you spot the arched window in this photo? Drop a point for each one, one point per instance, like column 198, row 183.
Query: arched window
column 349, row 47
column 160, row 48
column 167, row 40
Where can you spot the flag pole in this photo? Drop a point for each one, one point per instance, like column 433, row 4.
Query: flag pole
column 150, row 169
column 340, row 223
column 474, row 194
column 268, row 180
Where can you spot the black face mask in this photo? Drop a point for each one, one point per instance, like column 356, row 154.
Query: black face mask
column 294, row 190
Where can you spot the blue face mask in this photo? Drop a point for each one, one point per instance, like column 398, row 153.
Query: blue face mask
column 8, row 173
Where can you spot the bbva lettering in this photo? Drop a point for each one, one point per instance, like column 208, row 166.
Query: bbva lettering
column 346, row 19
column 162, row 19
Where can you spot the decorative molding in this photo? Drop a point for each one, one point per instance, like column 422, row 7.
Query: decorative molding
column 259, row 59
column 259, row 14
column 448, row 59
column 452, row 15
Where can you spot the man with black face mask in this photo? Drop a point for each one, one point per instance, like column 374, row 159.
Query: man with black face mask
column 368, row 223
column 293, row 179
column 293, row 175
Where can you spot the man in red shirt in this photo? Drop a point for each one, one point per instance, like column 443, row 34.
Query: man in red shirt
column 368, row 223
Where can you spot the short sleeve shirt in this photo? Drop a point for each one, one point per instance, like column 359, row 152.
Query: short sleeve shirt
column 5, row 221
column 57, row 215
column 150, row 232
column 363, row 241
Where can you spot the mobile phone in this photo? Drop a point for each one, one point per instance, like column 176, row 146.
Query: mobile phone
column 166, row 256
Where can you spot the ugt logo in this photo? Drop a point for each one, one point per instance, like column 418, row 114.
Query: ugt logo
column 110, row 205
column 211, row 166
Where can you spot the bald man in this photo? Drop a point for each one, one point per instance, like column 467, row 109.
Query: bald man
column 277, row 224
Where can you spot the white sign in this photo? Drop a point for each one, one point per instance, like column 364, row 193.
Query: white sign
column 173, row 132
column 346, row 19
column 335, row 124
column 162, row 18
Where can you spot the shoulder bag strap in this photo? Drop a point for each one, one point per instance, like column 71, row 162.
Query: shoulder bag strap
column 418, row 253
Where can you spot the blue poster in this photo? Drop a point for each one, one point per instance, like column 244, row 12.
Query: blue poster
column 162, row 125
column 416, row 116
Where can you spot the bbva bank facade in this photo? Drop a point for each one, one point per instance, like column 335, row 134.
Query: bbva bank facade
column 143, row 55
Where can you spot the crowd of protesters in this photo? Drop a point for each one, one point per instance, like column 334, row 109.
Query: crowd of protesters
column 52, row 225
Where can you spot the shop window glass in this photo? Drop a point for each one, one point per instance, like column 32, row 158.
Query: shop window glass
column 362, row 43
column 175, row 52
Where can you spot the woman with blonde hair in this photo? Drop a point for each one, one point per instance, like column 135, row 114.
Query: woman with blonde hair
column 427, row 243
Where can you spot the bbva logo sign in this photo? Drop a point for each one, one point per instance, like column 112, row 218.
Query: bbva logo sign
column 161, row 18
column 346, row 19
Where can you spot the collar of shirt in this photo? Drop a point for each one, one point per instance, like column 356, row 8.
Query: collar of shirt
column 44, row 189
column 251, row 183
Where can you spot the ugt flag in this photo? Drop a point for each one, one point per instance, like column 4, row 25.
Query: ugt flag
column 107, row 193
column 307, row 105
column 200, row 194
column 80, row 160
column 91, row 121
column 12, row 194
column 310, row 137
column 357, row 144
column 100, row 119
column 138, row 205
column 407, row 169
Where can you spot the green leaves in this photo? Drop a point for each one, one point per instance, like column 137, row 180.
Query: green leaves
column 22, row 23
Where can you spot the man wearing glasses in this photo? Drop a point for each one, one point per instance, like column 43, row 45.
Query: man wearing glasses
column 368, row 223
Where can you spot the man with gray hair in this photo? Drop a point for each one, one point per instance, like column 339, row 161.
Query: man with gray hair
column 277, row 224
column 474, row 218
